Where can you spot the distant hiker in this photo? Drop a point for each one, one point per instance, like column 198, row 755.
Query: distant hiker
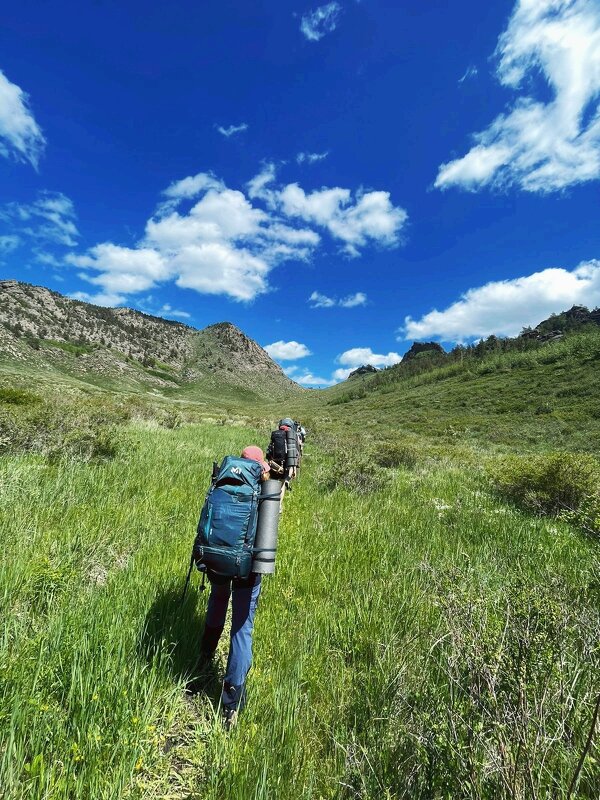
column 301, row 433
column 282, row 454
column 228, row 520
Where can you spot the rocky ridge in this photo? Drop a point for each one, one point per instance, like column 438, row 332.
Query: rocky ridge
column 43, row 327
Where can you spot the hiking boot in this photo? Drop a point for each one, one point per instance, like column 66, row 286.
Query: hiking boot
column 230, row 718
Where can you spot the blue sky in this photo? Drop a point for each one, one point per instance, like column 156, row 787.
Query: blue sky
column 338, row 179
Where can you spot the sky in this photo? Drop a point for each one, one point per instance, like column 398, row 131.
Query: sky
column 337, row 179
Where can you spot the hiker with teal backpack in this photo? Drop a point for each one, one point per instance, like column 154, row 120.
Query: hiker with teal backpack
column 224, row 550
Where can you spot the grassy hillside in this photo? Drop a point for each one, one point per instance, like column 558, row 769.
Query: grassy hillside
column 545, row 397
column 420, row 638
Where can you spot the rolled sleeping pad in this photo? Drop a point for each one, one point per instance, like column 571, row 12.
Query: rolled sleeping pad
column 265, row 542
column 292, row 448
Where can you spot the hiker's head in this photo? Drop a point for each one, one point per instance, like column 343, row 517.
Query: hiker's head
column 287, row 422
column 254, row 453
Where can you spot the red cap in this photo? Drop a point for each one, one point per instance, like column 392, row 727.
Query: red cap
column 254, row 453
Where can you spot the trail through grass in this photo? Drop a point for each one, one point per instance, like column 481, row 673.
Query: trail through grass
column 423, row 641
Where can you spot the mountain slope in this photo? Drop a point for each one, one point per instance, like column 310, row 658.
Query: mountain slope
column 126, row 348
column 548, row 396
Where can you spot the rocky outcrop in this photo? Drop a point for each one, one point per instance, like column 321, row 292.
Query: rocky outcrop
column 557, row 325
column 366, row 369
column 418, row 348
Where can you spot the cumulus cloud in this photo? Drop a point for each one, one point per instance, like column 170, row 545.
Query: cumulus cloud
column 539, row 145
column 359, row 356
column 287, row 351
column 355, row 219
column 20, row 135
column 503, row 308
column 309, row 379
column 120, row 271
column 50, row 218
column 318, row 300
column 231, row 130
column 311, row 158
column 322, row 20
column 208, row 237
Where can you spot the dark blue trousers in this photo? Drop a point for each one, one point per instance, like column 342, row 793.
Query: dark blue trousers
column 244, row 599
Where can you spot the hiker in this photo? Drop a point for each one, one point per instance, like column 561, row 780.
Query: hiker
column 244, row 593
column 301, row 433
column 282, row 455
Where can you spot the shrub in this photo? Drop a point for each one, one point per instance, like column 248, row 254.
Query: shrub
column 566, row 484
column 59, row 430
column 395, row 454
column 17, row 397
column 353, row 470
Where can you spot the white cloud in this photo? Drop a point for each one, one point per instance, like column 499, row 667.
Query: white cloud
column 287, row 351
column 168, row 311
column 470, row 72
column 537, row 145
column 321, row 21
column 50, row 218
column 311, row 158
column 349, row 360
column 318, row 300
column 99, row 299
column 257, row 186
column 308, row 379
column 358, row 356
column 503, row 308
column 361, row 356
column 354, row 300
column 231, row 130
column 121, row 271
column 216, row 240
column 8, row 243
column 220, row 268
column 369, row 217
column 20, row 135
column 356, row 220
column 192, row 186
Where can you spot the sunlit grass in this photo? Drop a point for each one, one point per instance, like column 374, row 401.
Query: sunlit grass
column 420, row 641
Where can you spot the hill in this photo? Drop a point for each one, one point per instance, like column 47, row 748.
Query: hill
column 543, row 395
column 126, row 349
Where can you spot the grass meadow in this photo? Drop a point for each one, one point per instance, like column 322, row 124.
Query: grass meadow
column 421, row 638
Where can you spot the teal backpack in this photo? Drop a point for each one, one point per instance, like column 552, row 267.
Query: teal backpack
column 227, row 527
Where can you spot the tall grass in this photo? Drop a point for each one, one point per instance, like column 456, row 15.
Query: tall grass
column 419, row 641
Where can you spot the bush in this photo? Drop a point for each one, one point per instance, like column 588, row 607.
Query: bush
column 353, row 470
column 395, row 454
column 17, row 397
column 59, row 430
column 565, row 484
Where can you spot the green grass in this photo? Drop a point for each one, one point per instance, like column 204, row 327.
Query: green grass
column 68, row 347
column 423, row 641
column 539, row 399
column 422, row 637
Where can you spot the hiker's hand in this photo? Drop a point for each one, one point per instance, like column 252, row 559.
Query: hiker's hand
column 292, row 472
